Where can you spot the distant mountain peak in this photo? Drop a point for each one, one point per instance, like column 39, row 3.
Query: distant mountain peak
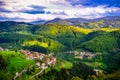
column 57, row 19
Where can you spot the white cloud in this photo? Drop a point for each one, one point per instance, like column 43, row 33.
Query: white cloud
column 53, row 6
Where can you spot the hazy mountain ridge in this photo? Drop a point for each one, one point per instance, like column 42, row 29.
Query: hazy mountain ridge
column 108, row 21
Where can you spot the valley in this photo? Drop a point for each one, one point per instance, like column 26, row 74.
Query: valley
column 57, row 51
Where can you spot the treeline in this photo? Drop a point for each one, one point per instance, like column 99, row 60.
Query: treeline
column 58, row 37
column 101, row 41
column 80, row 70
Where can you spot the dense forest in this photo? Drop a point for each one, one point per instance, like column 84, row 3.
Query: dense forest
column 59, row 39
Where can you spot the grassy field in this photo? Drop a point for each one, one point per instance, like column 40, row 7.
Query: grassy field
column 97, row 65
column 35, row 42
column 8, row 53
column 16, row 64
column 66, row 65
column 110, row 29
column 16, row 61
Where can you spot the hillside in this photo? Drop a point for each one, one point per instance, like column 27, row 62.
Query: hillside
column 56, row 37
column 79, row 52
column 101, row 41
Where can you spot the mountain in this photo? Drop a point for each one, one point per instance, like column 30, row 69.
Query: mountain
column 109, row 21
column 12, row 26
column 59, row 21
column 38, row 22
column 108, row 18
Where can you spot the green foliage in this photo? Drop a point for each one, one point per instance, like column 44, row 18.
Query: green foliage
column 16, row 64
column 76, row 78
column 37, row 48
column 3, row 63
column 81, row 70
column 15, row 41
column 5, row 75
column 78, row 71
column 65, row 56
column 105, row 42
column 112, row 61
column 10, row 26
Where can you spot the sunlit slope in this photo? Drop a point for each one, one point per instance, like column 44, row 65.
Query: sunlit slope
column 56, row 30
column 101, row 41
column 20, row 41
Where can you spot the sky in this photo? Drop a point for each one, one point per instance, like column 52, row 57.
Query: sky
column 35, row 10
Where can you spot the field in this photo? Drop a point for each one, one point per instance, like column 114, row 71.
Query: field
column 16, row 61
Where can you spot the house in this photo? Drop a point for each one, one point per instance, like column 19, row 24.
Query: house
column 82, row 53
column 26, row 52
column 38, row 64
column 30, row 56
column 41, row 56
column 91, row 56
column 54, row 59
column 47, row 60
column 16, row 73
column 36, row 54
column 76, row 53
column 50, row 62
column 50, row 54
column 80, row 57
column 1, row 49
column 97, row 71
column 43, row 65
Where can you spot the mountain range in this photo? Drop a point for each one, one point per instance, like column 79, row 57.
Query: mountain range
column 90, row 44
column 109, row 21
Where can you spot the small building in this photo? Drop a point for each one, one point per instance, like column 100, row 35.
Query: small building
column 1, row 49
column 43, row 65
column 38, row 64
column 36, row 54
column 76, row 53
column 47, row 60
column 82, row 53
column 41, row 57
column 97, row 71
column 79, row 57
column 30, row 56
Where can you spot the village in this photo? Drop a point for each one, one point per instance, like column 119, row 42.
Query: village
column 40, row 58
column 46, row 59
column 42, row 62
column 82, row 54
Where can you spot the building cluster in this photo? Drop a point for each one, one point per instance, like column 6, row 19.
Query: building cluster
column 82, row 55
column 47, row 59
column 32, row 55
column 48, row 62
column 2, row 49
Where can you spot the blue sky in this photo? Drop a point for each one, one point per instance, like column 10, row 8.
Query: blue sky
column 34, row 10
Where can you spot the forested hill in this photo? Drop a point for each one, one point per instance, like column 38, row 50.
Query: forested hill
column 57, row 37
column 78, row 51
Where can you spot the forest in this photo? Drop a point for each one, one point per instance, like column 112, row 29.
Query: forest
column 59, row 39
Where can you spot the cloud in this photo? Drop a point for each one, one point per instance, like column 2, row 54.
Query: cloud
column 35, row 10
column 30, row 10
